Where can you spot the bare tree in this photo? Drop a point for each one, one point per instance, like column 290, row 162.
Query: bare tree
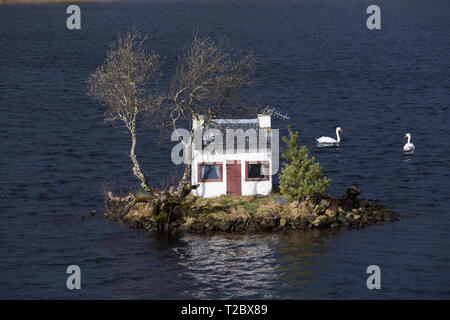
column 120, row 84
column 208, row 84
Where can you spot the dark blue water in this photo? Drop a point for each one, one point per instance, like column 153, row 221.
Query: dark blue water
column 318, row 63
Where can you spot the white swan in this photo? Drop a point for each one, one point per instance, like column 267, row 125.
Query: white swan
column 408, row 147
column 331, row 140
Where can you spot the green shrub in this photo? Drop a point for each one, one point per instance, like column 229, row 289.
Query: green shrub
column 300, row 175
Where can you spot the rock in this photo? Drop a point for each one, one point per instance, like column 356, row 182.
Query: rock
column 294, row 204
column 197, row 226
column 302, row 205
column 351, row 192
column 325, row 203
column 319, row 209
column 356, row 216
column 364, row 203
column 271, row 223
column 282, row 222
column 177, row 213
column 320, row 221
column 330, row 213
column 388, row 215
column 366, row 219
column 225, row 226
column 281, row 200
column 184, row 227
column 342, row 220
column 355, row 210
column 349, row 200
column 335, row 225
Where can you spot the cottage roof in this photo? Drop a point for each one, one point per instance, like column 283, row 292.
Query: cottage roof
column 235, row 124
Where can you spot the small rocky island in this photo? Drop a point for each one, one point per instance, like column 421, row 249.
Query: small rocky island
column 257, row 214
column 226, row 187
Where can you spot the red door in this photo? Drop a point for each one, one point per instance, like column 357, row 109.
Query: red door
column 234, row 178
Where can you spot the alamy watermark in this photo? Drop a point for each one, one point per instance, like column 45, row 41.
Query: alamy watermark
column 73, row 22
column 236, row 141
column 74, row 280
column 374, row 20
column 374, row 280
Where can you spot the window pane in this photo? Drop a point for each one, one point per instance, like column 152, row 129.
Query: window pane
column 209, row 172
column 254, row 171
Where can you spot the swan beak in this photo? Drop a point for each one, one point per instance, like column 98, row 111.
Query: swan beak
column 340, row 130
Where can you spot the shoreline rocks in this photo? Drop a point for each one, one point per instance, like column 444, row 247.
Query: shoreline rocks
column 251, row 214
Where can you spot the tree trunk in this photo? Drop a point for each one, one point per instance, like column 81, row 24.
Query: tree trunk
column 184, row 185
column 187, row 173
column 185, row 181
column 136, row 167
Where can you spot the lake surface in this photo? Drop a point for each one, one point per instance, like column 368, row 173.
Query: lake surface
column 317, row 62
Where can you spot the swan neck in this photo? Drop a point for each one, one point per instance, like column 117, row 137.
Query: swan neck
column 409, row 139
column 337, row 135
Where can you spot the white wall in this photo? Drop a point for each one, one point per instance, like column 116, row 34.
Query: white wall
column 215, row 189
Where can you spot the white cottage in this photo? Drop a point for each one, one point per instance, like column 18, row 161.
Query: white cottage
column 233, row 157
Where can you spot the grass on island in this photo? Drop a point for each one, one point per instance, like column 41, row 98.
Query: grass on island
column 240, row 209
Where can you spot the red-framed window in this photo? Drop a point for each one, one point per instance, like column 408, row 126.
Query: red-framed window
column 210, row 172
column 257, row 171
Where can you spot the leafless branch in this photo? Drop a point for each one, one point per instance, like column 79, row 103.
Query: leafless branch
column 120, row 84
column 209, row 82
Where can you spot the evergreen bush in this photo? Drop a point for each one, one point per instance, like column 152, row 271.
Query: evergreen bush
column 300, row 175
